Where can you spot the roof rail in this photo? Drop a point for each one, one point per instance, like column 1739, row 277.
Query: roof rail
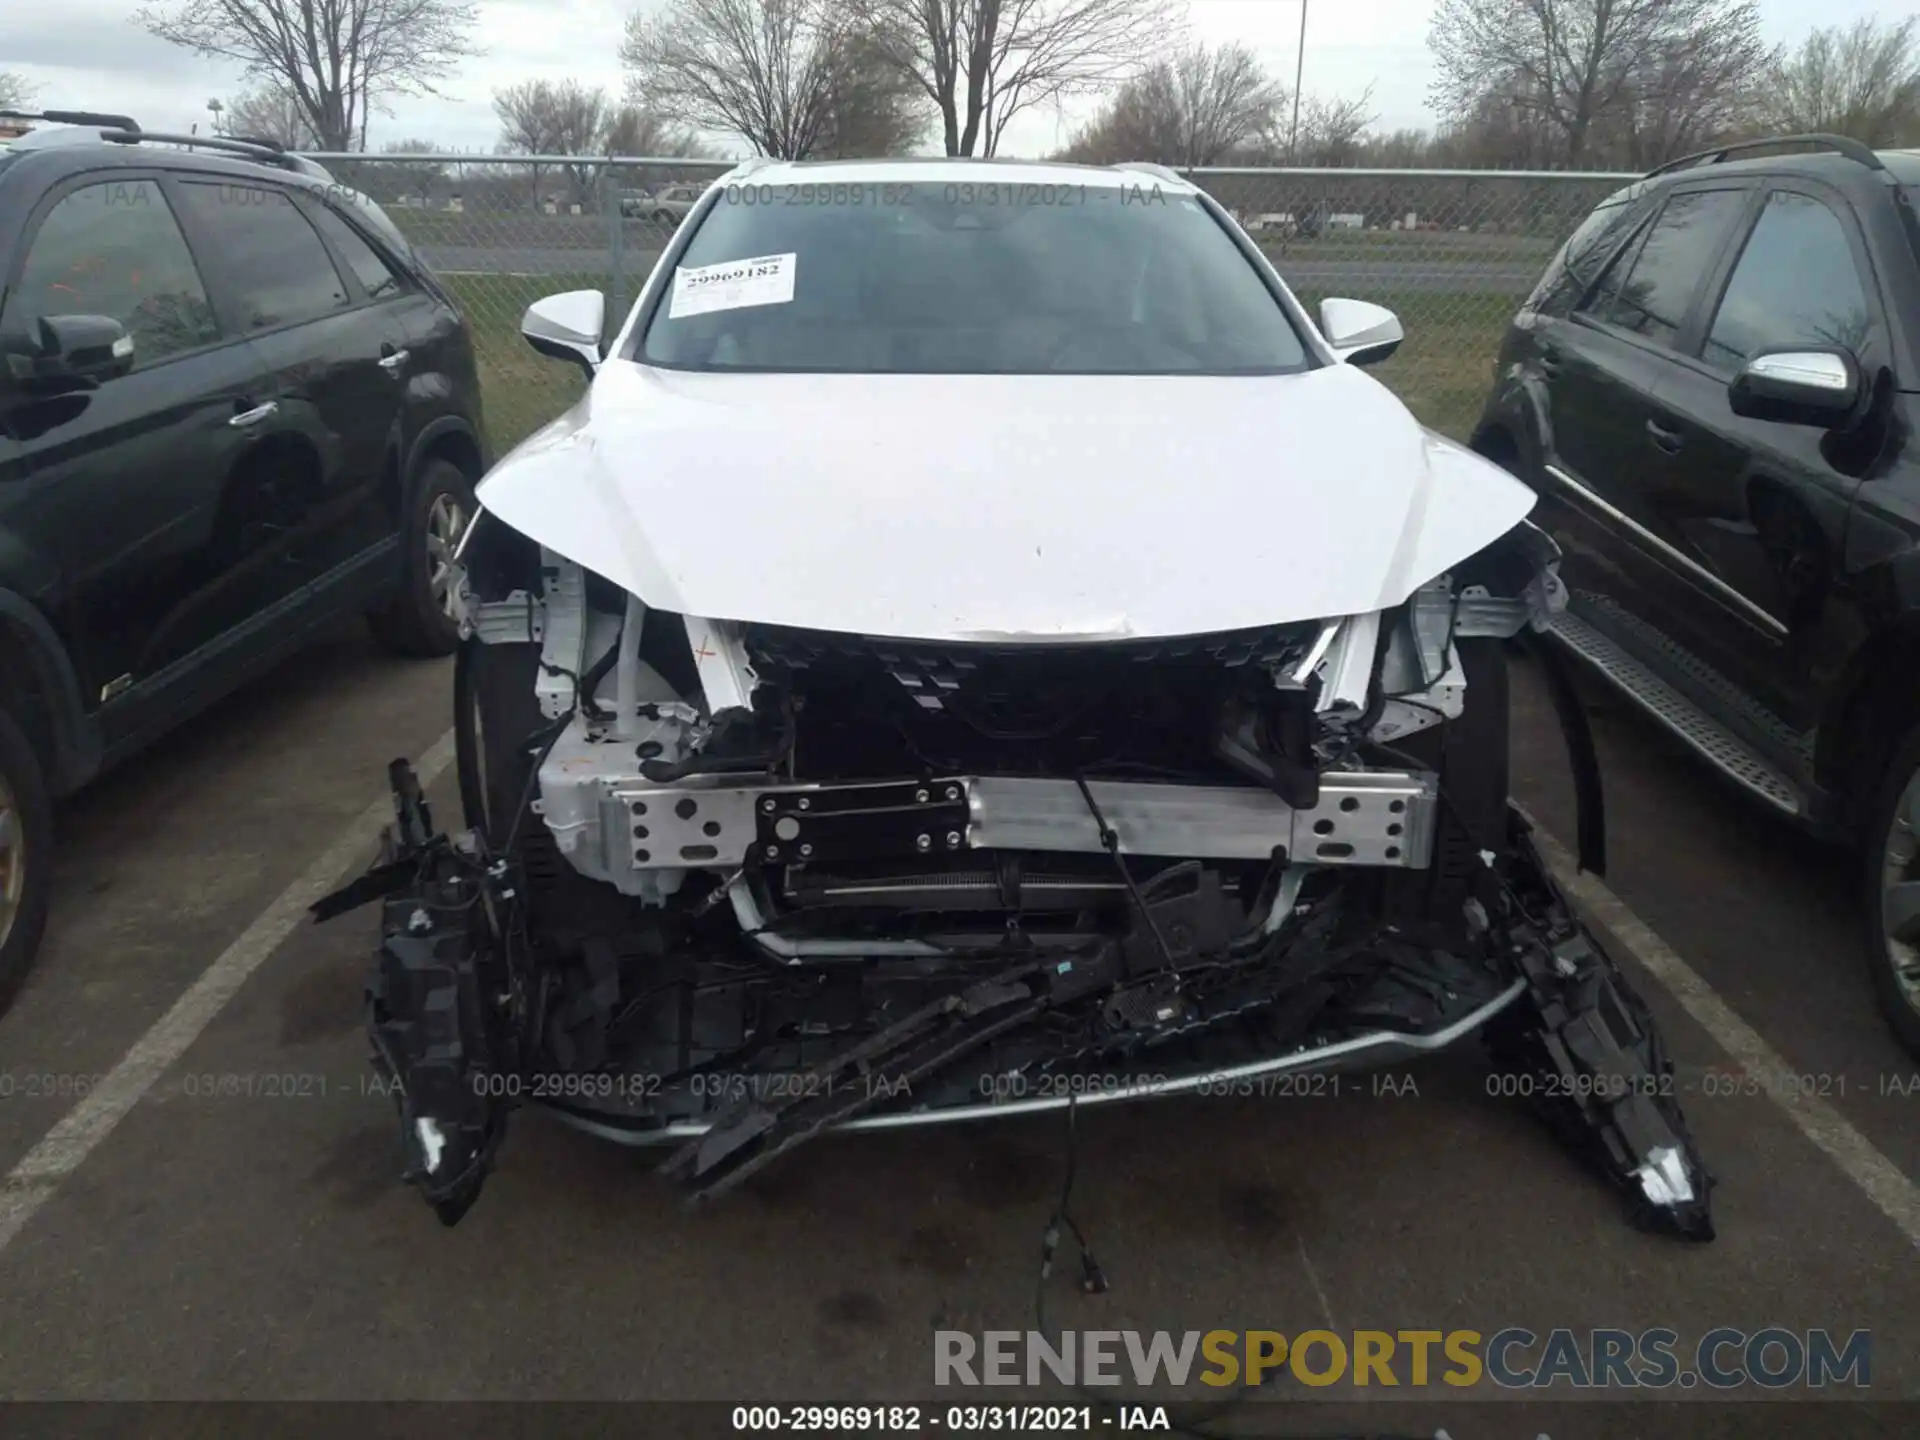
column 1852, row 149
column 74, row 117
column 266, row 152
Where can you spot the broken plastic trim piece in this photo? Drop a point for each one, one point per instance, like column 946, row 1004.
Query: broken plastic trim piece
column 448, row 1018
column 1329, row 632
column 517, row 620
column 720, row 660
column 1664, row 1179
column 1374, row 1049
column 1348, row 682
column 437, row 1003
column 1596, row 1068
column 1429, row 619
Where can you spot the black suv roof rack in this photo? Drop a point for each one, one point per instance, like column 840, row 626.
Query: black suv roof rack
column 265, row 151
column 123, row 130
column 74, row 117
column 1852, row 149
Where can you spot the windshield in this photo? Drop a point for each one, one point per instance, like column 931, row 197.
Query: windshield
column 967, row 278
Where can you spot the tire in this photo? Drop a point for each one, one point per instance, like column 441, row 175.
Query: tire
column 664, row 219
column 418, row 621
column 1891, row 853
column 26, row 856
column 499, row 712
column 1470, row 755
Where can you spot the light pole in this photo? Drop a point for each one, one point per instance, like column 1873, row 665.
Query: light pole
column 1299, row 71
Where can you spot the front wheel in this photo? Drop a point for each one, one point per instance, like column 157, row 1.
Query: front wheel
column 1470, row 756
column 419, row 620
column 26, row 854
column 1891, row 893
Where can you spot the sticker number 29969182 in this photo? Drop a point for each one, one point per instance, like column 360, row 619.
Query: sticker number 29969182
column 732, row 285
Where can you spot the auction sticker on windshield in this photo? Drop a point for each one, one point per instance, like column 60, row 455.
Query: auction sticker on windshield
column 732, row 285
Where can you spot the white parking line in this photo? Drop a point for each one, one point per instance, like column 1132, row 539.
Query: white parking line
column 32, row 1182
column 1859, row 1159
column 1313, row 1279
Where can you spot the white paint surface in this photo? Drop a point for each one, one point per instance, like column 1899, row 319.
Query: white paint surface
column 1004, row 507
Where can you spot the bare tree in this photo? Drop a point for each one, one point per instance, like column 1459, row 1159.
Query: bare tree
column 336, row 58
column 873, row 107
column 631, row 130
column 982, row 62
column 419, row 177
column 1405, row 149
column 1863, row 81
column 1333, row 131
column 1499, row 132
column 15, row 92
column 764, row 70
column 1139, row 121
column 1579, row 67
column 1683, row 98
column 1193, row 109
column 547, row 117
column 271, row 113
column 792, row 78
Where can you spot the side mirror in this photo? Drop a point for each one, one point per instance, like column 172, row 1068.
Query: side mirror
column 1360, row 333
column 71, row 352
column 567, row 327
column 1798, row 387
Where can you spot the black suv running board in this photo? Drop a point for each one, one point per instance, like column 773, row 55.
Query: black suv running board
column 1718, row 745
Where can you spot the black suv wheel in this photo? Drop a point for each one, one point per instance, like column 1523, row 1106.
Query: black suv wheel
column 419, row 621
column 1891, row 898
column 26, row 852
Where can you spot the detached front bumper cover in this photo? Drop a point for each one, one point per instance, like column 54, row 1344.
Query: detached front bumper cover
column 451, row 1019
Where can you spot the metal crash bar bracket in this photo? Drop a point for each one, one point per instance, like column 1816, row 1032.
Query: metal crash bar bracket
column 1375, row 818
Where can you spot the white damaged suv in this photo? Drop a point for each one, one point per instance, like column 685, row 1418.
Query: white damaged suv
column 980, row 647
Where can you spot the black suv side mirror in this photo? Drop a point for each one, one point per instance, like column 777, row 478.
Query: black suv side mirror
column 71, row 352
column 1811, row 386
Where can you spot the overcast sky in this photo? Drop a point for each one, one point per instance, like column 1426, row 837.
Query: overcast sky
column 90, row 54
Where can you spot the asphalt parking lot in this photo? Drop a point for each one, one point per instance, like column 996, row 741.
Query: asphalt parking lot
column 178, row 1244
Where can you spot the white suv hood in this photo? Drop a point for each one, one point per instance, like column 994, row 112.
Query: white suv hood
column 986, row 507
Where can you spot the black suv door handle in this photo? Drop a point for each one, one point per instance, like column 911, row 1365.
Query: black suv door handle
column 1665, row 438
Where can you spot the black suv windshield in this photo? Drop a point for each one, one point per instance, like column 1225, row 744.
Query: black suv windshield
column 969, row 277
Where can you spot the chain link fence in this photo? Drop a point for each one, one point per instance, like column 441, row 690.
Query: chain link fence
column 1452, row 252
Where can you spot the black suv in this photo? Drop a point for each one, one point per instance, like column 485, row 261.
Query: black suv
column 1716, row 390
column 234, row 407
